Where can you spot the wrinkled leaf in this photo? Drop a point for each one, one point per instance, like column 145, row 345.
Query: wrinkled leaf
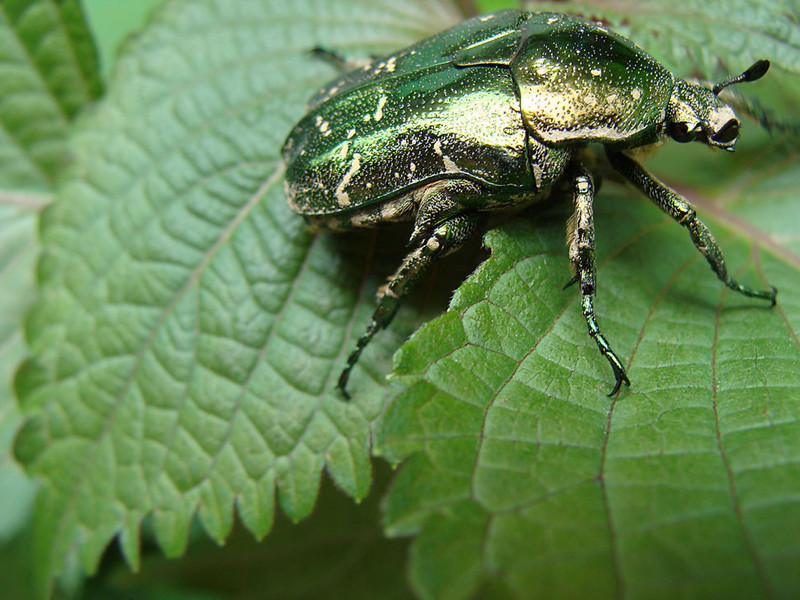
column 710, row 39
column 685, row 481
column 190, row 330
column 521, row 473
column 16, row 293
column 48, row 71
column 47, row 74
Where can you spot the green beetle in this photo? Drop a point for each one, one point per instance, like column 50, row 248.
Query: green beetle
column 490, row 115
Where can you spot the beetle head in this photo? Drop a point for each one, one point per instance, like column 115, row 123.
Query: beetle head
column 695, row 113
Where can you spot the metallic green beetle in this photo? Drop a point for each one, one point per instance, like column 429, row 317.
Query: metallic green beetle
column 490, row 115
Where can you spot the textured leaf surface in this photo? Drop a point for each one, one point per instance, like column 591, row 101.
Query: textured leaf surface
column 713, row 38
column 17, row 227
column 47, row 73
column 522, row 476
column 686, row 484
column 190, row 329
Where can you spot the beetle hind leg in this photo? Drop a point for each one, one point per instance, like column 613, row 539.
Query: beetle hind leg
column 580, row 238
column 446, row 237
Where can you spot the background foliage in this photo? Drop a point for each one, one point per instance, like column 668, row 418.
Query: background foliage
column 188, row 331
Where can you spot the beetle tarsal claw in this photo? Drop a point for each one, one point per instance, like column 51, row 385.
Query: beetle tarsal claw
column 619, row 374
column 575, row 279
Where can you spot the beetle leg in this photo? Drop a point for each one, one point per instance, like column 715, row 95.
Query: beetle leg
column 445, row 238
column 337, row 60
column 679, row 209
column 580, row 237
column 438, row 203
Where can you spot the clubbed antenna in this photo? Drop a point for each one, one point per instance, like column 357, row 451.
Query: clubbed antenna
column 756, row 71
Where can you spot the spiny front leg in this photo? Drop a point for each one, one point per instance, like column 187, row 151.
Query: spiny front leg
column 679, row 209
column 444, row 239
column 580, row 237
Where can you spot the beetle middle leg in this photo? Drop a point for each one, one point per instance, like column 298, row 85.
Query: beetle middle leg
column 679, row 209
column 440, row 237
column 580, row 237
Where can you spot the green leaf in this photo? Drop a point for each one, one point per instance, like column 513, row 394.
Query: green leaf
column 702, row 38
column 48, row 70
column 684, row 483
column 113, row 22
column 47, row 73
column 521, row 474
column 17, row 253
column 338, row 552
column 190, row 330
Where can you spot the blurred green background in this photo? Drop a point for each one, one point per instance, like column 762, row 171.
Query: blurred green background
column 112, row 21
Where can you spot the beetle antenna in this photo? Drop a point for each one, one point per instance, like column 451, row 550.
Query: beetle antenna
column 756, row 71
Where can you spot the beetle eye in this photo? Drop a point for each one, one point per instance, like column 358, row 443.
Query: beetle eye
column 728, row 133
column 680, row 132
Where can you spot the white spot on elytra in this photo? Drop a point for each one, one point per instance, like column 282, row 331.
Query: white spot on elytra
column 391, row 64
column 537, row 175
column 350, row 133
column 379, row 110
column 342, row 196
column 552, row 20
column 324, row 127
column 412, row 167
column 596, row 72
column 345, row 149
column 433, row 244
column 449, row 165
column 636, row 93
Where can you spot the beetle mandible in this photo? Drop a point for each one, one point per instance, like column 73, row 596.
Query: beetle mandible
column 490, row 115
